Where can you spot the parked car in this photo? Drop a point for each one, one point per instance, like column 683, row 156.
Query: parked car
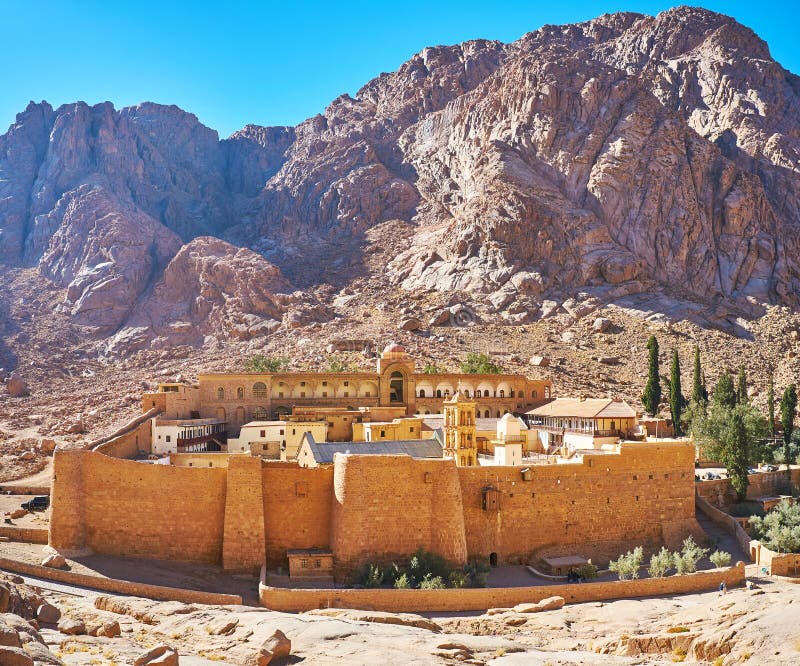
column 38, row 503
column 770, row 468
column 710, row 476
column 752, row 470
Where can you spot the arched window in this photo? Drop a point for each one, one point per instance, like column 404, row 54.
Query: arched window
column 511, row 395
column 486, row 414
column 221, row 413
column 259, row 390
column 220, row 393
column 498, row 413
column 259, row 414
column 396, row 387
column 502, row 393
column 422, row 393
column 486, row 393
column 438, row 393
column 447, row 393
column 466, row 393
column 240, row 393
column 522, row 394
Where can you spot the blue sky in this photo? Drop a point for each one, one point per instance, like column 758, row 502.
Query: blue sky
column 233, row 63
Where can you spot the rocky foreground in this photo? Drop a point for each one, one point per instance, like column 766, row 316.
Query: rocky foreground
column 46, row 627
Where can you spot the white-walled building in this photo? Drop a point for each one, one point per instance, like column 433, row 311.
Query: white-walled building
column 188, row 435
column 275, row 440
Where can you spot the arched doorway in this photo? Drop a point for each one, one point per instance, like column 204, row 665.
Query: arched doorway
column 396, row 383
column 493, row 559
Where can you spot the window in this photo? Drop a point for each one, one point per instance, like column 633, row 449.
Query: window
column 259, row 414
column 422, row 393
column 411, row 429
column 317, row 564
column 347, row 383
column 522, row 394
column 304, row 563
column 281, row 432
column 502, row 393
column 324, row 383
column 220, row 393
column 466, row 393
column 280, row 394
column 346, row 394
column 259, row 390
column 263, row 434
column 383, row 433
column 240, row 393
column 169, row 438
column 367, row 394
column 302, row 394
column 486, row 394
column 324, row 394
column 302, row 383
column 294, row 431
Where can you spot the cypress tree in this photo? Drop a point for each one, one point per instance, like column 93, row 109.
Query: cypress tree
column 723, row 392
column 771, row 404
column 741, row 387
column 675, row 396
column 738, row 456
column 698, row 390
column 788, row 409
column 651, row 397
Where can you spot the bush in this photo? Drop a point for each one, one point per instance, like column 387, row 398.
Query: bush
column 264, row 363
column 719, row 558
column 746, row 509
column 779, row 530
column 686, row 561
column 432, row 583
column 660, row 563
column 401, row 582
column 480, row 364
column 336, row 364
column 458, row 579
column 586, row 571
column 477, row 572
column 432, row 369
column 627, row 565
column 425, row 564
column 370, row 575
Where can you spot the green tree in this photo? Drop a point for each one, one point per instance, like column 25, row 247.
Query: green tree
column 788, row 410
column 779, row 530
column 480, row 364
column 771, row 404
column 741, row 387
column 738, row 455
column 698, row 390
column 627, row 566
column 432, row 369
column 676, row 399
column 660, row 563
column 724, row 394
column 264, row 363
column 651, row 397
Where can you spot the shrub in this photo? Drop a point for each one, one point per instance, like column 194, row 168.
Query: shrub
column 686, row 561
column 432, row 369
column 480, row 364
column 370, row 575
column 432, row 583
column 425, row 564
column 677, row 630
column 401, row 582
column 458, row 579
column 779, row 530
column 660, row 563
column 264, row 363
column 336, row 364
column 477, row 572
column 587, row 571
column 627, row 565
column 719, row 558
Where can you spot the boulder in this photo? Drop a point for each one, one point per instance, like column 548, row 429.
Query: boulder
column 71, row 627
column 5, row 595
column 160, row 655
column 607, row 360
column 54, row 561
column 440, row 318
column 27, row 455
column 47, row 446
column 602, row 325
column 14, row 656
column 8, row 636
column 18, row 513
column 277, row 646
column 41, row 655
column 410, row 324
column 16, row 385
column 75, row 427
column 550, row 603
column 109, row 629
column 540, row 361
column 48, row 614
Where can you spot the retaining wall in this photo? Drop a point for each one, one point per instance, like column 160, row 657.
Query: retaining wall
column 476, row 599
column 25, row 534
column 720, row 493
column 726, row 522
column 158, row 592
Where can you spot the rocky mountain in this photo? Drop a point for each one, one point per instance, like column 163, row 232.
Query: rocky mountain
column 600, row 161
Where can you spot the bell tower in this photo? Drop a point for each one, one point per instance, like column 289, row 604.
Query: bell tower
column 460, row 442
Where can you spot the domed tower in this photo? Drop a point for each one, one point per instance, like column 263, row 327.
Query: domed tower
column 396, row 372
column 460, row 441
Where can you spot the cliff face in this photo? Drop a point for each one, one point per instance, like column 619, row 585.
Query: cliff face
column 622, row 155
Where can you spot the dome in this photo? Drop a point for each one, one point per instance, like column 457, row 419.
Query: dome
column 508, row 417
column 393, row 350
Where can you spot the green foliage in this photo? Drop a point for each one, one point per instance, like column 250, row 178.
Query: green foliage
column 432, row 369
column 477, row 572
column 264, row 363
column 651, row 397
column 458, row 579
column 779, row 530
column 432, row 583
column 627, row 566
column 731, row 435
column 741, row 387
column 370, row 575
column 686, row 560
column 699, row 394
column 426, row 564
column 723, row 392
column 401, row 582
column 719, row 558
column 480, row 364
column 788, row 410
column 337, row 364
column 587, row 571
column 660, row 563
column 746, row 509
column 676, row 399
column 771, row 404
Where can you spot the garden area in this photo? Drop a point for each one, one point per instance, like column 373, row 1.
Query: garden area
column 424, row 571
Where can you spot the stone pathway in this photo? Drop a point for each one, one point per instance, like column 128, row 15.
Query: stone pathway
column 722, row 539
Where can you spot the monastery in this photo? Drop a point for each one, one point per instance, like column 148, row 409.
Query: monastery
column 342, row 468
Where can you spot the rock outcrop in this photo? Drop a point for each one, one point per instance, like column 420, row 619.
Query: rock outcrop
column 624, row 155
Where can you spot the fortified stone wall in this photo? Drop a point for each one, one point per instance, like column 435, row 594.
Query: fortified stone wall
column 129, row 444
column 592, row 507
column 297, row 509
column 385, row 507
column 720, row 493
column 122, row 507
column 243, row 541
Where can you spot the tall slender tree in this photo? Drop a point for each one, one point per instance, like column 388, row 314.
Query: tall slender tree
column 738, row 455
column 771, row 403
column 723, row 392
column 676, row 399
column 697, row 378
column 788, row 410
column 741, row 387
column 651, row 397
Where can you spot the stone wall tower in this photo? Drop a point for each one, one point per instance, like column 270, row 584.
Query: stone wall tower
column 460, row 442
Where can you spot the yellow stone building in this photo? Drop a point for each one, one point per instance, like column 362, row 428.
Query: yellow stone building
column 460, row 440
